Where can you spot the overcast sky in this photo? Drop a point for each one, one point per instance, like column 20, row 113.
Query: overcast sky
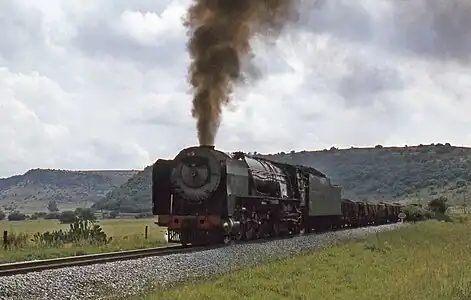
column 101, row 84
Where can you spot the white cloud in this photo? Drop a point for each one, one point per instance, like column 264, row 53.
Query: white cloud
column 150, row 28
column 102, row 84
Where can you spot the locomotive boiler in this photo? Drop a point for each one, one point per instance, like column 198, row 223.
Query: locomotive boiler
column 207, row 196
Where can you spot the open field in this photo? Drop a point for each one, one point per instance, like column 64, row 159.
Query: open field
column 126, row 234
column 428, row 260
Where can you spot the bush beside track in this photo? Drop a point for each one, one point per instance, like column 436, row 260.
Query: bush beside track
column 44, row 239
column 426, row 260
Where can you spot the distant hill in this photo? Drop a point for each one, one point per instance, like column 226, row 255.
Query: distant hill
column 411, row 173
column 400, row 173
column 34, row 189
column 131, row 197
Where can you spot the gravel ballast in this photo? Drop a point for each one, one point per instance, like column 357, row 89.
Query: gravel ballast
column 122, row 278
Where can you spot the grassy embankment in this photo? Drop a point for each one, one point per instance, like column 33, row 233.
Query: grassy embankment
column 428, row 260
column 126, row 234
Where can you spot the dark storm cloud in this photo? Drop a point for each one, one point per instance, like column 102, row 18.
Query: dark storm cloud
column 430, row 29
column 439, row 29
column 345, row 19
column 362, row 83
column 365, row 81
column 434, row 29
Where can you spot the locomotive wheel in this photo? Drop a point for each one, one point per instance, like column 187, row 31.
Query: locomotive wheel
column 258, row 232
column 239, row 236
column 249, row 233
column 184, row 240
column 276, row 229
column 299, row 230
column 216, row 238
column 226, row 240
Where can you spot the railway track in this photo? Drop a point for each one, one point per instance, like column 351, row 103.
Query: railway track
column 15, row 268
column 9, row 269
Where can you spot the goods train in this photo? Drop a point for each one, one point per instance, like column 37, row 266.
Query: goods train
column 205, row 196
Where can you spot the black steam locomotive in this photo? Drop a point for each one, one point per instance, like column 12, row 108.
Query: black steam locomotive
column 205, row 196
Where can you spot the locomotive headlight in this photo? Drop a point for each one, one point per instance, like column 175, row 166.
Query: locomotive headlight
column 195, row 172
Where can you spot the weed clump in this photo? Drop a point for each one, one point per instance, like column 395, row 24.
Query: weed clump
column 80, row 232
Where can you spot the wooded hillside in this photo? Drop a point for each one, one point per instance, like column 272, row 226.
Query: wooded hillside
column 395, row 173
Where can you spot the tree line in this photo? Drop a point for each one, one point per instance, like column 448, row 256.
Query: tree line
column 66, row 216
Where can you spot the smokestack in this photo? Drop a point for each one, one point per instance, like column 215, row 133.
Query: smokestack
column 207, row 146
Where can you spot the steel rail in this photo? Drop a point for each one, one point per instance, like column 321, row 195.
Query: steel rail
column 9, row 269
column 15, row 268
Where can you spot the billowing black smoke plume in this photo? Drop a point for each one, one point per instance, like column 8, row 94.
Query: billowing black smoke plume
column 220, row 33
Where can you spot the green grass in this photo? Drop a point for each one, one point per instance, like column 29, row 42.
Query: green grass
column 126, row 233
column 428, row 260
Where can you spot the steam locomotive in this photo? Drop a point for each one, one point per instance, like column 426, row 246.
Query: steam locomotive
column 205, row 196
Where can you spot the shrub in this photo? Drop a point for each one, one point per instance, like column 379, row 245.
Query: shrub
column 67, row 217
column 52, row 206
column 52, row 216
column 85, row 214
column 435, row 209
column 415, row 213
column 80, row 231
column 16, row 216
column 38, row 215
column 17, row 240
column 439, row 205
